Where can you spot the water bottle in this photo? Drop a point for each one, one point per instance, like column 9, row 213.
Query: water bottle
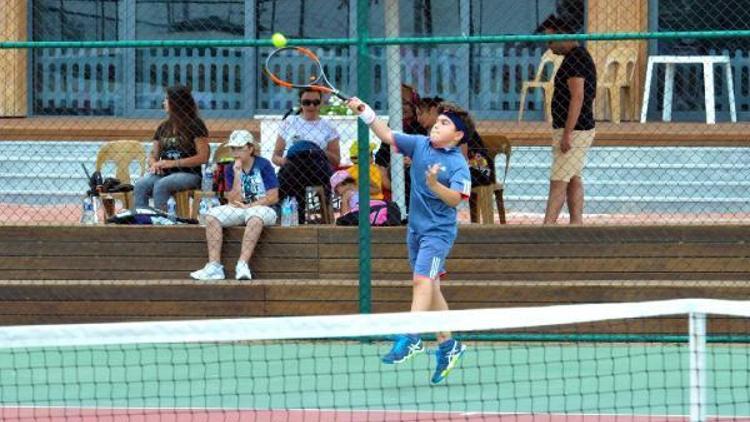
column 294, row 212
column 207, row 184
column 286, row 213
column 171, row 207
column 88, row 216
column 203, row 208
column 97, row 201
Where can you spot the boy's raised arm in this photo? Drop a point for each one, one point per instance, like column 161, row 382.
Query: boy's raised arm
column 367, row 114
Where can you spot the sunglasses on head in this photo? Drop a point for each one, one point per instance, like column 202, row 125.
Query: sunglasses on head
column 311, row 103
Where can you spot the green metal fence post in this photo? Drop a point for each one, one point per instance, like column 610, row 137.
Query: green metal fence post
column 363, row 138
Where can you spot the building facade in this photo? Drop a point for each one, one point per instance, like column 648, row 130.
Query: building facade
column 227, row 82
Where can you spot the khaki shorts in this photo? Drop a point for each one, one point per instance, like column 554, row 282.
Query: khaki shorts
column 569, row 165
column 231, row 216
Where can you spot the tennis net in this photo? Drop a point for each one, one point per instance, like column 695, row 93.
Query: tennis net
column 652, row 361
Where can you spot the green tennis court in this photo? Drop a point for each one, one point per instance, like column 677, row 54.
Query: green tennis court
column 344, row 380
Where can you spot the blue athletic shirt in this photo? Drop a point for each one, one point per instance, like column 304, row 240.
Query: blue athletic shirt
column 428, row 214
column 257, row 181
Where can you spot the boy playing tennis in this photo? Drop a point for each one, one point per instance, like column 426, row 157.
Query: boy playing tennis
column 440, row 181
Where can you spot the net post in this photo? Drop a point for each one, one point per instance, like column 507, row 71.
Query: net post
column 363, row 138
column 697, row 351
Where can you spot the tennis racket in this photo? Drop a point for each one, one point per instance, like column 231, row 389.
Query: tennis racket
column 316, row 79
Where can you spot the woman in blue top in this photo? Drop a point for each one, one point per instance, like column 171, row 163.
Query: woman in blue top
column 251, row 198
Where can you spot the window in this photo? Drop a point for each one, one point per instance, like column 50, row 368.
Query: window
column 498, row 17
column 697, row 15
column 214, row 74
column 69, row 81
column 498, row 70
column 189, row 19
column 303, row 18
column 419, row 17
column 74, row 20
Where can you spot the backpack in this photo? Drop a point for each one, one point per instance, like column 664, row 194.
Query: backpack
column 382, row 213
column 109, row 185
column 147, row 216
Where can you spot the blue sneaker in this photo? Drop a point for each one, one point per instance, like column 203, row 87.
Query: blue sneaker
column 404, row 348
column 448, row 354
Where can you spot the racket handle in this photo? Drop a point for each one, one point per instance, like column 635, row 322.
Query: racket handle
column 343, row 97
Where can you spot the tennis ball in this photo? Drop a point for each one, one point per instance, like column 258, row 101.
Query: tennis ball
column 279, row 40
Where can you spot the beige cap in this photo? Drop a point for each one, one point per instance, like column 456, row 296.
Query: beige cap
column 240, row 138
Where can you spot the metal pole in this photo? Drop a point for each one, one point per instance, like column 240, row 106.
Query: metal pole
column 363, row 137
column 697, row 350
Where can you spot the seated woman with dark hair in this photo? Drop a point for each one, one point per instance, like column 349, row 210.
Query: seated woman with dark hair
column 180, row 148
column 313, row 153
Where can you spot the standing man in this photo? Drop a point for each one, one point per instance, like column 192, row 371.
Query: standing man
column 572, row 123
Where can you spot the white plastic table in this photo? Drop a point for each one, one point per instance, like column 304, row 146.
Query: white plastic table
column 708, row 63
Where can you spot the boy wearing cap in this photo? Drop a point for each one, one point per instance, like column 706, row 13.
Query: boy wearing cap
column 254, row 191
column 440, row 181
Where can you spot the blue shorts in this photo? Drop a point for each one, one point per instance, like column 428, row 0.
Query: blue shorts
column 427, row 255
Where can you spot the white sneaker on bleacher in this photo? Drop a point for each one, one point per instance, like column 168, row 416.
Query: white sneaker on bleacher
column 212, row 271
column 242, row 271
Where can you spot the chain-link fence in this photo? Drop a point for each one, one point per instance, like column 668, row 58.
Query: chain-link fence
column 163, row 112
column 657, row 139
